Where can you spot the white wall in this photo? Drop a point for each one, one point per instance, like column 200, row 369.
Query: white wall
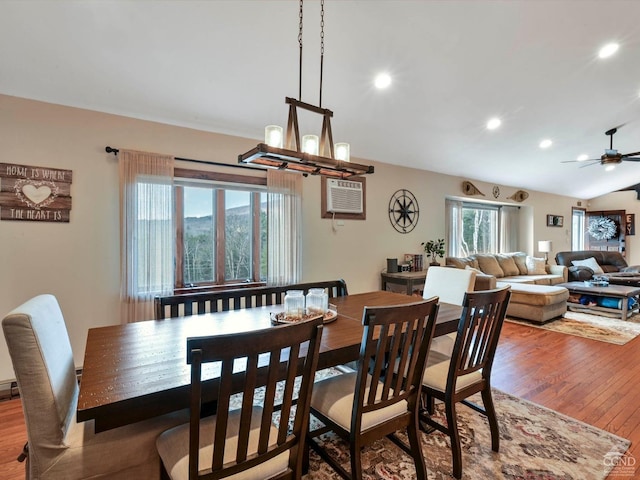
column 78, row 261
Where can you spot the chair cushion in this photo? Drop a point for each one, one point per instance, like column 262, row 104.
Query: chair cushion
column 173, row 447
column 436, row 377
column 333, row 397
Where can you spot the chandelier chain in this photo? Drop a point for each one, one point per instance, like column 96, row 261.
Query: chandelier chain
column 300, row 59
column 321, row 48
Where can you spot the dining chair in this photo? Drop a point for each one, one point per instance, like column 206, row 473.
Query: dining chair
column 449, row 285
column 58, row 447
column 468, row 371
column 240, row 440
column 382, row 395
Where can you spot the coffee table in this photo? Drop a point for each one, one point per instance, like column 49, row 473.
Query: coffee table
column 621, row 292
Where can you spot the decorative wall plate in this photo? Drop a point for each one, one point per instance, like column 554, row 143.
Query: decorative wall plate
column 403, row 211
column 496, row 191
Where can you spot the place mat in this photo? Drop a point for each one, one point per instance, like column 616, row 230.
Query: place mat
column 594, row 327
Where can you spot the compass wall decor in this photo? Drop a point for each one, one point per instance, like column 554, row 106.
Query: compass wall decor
column 403, row 211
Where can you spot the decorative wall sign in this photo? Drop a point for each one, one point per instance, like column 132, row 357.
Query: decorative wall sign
column 630, row 224
column 555, row 220
column 496, row 191
column 37, row 194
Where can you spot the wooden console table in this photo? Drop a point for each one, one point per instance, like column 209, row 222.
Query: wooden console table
column 411, row 280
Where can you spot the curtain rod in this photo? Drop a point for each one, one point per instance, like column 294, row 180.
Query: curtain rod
column 206, row 162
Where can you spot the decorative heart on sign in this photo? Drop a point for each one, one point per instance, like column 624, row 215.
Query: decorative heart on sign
column 36, row 194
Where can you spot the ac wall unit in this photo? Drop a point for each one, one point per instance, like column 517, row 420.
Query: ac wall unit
column 344, row 196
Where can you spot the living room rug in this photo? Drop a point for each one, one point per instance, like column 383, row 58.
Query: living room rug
column 594, row 327
column 535, row 443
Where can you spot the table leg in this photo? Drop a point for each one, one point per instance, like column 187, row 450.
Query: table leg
column 625, row 304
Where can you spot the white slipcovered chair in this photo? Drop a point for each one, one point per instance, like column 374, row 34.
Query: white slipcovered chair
column 449, row 285
column 58, row 446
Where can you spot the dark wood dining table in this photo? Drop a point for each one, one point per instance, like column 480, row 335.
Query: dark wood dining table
column 138, row 371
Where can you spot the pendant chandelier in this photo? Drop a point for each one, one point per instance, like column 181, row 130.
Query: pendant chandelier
column 311, row 155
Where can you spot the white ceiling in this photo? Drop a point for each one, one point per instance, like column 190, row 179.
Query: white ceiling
column 227, row 66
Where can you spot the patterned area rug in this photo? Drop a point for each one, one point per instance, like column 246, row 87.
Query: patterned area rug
column 604, row 329
column 535, row 443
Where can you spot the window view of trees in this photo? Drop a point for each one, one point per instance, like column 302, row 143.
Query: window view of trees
column 206, row 249
column 479, row 230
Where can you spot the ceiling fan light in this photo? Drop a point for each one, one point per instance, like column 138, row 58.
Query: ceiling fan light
column 608, row 168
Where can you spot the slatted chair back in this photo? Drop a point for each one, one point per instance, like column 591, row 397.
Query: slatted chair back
column 396, row 339
column 237, row 298
column 479, row 329
column 276, row 353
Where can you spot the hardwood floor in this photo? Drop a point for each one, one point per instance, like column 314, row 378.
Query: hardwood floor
column 595, row 382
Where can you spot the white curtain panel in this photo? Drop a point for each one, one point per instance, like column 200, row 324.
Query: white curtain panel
column 147, row 232
column 453, row 228
column 284, row 196
column 509, row 223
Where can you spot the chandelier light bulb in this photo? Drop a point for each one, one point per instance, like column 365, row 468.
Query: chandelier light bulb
column 342, row 151
column 310, row 144
column 273, row 136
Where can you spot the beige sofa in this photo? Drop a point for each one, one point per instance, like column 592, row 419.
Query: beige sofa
column 535, row 295
column 509, row 268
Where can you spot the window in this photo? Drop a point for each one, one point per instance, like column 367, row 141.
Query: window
column 221, row 234
column 578, row 227
column 480, row 228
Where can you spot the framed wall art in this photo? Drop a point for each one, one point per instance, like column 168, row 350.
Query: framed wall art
column 555, row 220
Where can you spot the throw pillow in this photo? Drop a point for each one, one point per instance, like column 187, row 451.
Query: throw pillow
column 477, row 270
column 589, row 262
column 536, row 266
column 461, row 262
column 489, row 265
column 520, row 258
column 508, row 265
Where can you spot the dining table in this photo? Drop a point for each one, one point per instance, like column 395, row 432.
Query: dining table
column 136, row 371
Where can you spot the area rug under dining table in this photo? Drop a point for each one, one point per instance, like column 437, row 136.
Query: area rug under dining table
column 535, row 443
column 595, row 327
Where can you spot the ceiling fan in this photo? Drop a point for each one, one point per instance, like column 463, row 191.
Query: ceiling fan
column 610, row 156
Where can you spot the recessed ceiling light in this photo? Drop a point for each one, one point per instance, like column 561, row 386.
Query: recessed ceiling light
column 583, row 157
column 608, row 50
column 493, row 123
column 545, row 143
column 608, row 168
column 383, row 80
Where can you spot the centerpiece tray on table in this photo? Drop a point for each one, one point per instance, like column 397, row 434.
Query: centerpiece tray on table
column 330, row 316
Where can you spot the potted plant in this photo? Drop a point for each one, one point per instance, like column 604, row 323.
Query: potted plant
column 434, row 249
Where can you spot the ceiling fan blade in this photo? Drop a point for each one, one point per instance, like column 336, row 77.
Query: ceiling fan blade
column 631, row 159
column 581, row 161
column 630, row 155
column 592, row 162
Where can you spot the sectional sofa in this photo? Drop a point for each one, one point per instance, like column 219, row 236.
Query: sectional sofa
column 535, row 295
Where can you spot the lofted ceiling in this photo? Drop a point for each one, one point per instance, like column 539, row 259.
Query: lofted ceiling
column 227, row 66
